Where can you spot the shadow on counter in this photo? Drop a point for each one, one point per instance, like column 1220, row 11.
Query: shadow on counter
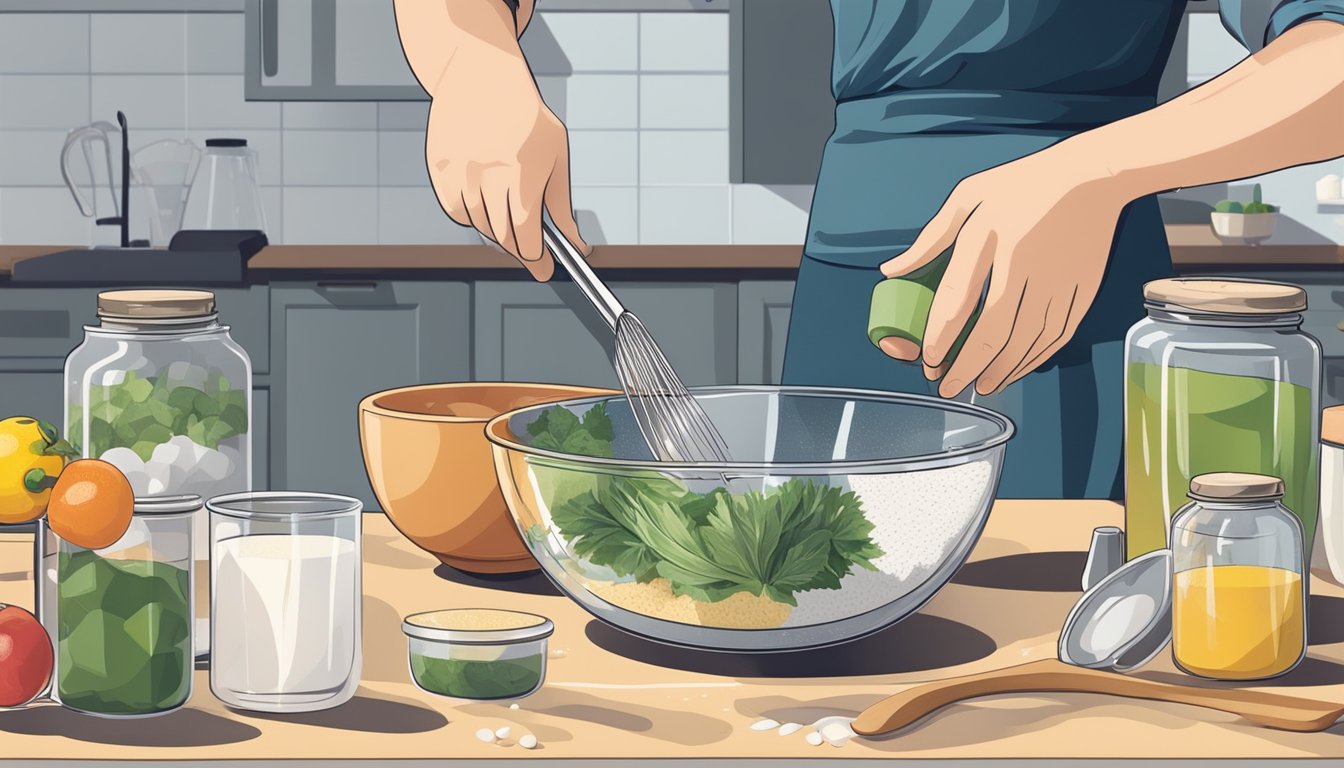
column 183, row 728
column 917, row 643
column 531, row 583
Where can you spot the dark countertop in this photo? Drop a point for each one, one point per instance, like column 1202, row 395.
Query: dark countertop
column 1193, row 248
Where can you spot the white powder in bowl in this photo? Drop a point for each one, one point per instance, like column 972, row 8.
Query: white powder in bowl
column 918, row 518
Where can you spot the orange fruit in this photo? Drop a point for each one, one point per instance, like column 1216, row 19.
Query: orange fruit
column 91, row 504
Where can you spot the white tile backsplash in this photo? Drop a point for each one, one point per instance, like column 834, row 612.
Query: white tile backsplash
column 412, row 216
column 138, row 43
column 215, row 43
column 685, row 214
column 645, row 95
column 766, row 215
column 30, row 158
column 683, row 101
column 587, row 101
column 683, row 157
column 216, row 101
column 684, row 42
column 149, row 101
column 42, row 216
column 333, row 115
column 607, row 215
column 563, row 43
column 401, row 158
column 604, row 158
column 331, row 158
column 330, row 215
column 44, row 101
column 44, row 43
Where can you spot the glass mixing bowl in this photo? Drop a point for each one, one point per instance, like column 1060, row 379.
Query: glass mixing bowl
column 842, row 512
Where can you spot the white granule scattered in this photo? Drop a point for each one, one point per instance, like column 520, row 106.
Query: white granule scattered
column 789, row 728
column 836, row 729
column 765, row 725
column 814, row 739
column 486, row 735
column 558, row 653
column 528, row 741
column 513, row 706
column 917, row 517
column 503, row 733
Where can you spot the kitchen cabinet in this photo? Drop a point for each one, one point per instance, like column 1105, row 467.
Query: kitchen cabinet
column 335, row 342
column 548, row 333
column 762, row 325
column 321, row 50
column 261, row 438
column 38, row 394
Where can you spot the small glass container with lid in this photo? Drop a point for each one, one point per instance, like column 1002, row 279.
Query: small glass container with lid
column 477, row 653
column 1239, row 583
column 285, row 600
column 1219, row 377
column 1332, row 489
column 121, row 616
column 160, row 390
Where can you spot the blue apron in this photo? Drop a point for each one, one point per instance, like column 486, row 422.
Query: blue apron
column 929, row 92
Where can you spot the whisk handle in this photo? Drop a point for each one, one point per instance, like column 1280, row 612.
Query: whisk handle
column 589, row 283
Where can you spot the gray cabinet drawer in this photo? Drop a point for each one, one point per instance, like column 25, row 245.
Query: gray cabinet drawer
column 763, row 309
column 334, row 344
column 44, row 322
column 247, row 313
column 38, row 394
column 549, row 333
column 49, row 322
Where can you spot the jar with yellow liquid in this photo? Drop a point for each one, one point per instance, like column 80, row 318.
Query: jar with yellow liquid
column 1239, row 588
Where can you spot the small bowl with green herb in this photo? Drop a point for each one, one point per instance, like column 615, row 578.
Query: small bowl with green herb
column 1244, row 223
column 480, row 654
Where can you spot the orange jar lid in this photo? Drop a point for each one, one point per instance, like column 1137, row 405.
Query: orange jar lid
column 1332, row 425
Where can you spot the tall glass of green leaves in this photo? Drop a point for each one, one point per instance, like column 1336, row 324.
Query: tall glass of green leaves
column 123, row 614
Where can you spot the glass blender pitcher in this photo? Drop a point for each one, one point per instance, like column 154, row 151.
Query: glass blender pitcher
column 224, row 195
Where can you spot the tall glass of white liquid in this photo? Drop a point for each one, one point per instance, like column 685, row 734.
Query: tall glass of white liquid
column 285, row 599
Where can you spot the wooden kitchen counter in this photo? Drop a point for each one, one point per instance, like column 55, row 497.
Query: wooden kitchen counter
column 609, row 696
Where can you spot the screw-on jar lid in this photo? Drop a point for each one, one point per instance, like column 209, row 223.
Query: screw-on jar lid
column 140, row 305
column 1332, row 425
column 477, row 626
column 1225, row 296
column 1235, row 486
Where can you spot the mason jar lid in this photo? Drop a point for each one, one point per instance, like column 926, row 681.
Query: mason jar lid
column 1235, row 486
column 155, row 304
column 1332, row 425
column 1220, row 295
column 477, row 626
column 167, row 505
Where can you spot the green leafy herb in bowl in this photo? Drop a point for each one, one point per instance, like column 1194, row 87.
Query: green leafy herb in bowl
column 1246, row 223
column 718, row 558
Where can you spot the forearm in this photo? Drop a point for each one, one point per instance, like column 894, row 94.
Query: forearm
column 431, row 32
column 1281, row 107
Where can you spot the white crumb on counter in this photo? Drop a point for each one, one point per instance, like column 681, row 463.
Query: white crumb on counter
column 528, row 741
column 789, row 729
column 503, row 733
column 513, row 706
column 814, row 739
column 835, row 730
column 765, row 725
column 486, row 735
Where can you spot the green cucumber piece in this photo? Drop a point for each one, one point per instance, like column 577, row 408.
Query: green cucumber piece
column 900, row 308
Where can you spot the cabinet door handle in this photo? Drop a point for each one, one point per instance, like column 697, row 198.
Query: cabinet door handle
column 270, row 37
column 348, row 286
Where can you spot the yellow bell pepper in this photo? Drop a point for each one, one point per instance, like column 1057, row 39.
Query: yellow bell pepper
column 32, row 455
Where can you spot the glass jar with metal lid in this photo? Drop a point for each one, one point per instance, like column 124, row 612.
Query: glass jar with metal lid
column 1239, row 580
column 1218, row 378
column 120, row 617
column 160, row 390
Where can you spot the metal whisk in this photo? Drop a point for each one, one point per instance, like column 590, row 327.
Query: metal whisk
column 671, row 420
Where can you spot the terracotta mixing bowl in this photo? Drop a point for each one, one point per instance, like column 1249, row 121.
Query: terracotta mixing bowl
column 431, row 468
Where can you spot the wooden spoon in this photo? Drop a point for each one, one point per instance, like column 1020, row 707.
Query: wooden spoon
column 1270, row 710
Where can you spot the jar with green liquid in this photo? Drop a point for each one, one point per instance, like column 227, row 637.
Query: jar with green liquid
column 1219, row 377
